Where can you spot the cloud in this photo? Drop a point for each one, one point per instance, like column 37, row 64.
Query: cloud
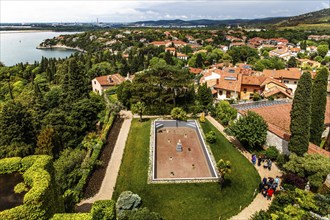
column 129, row 10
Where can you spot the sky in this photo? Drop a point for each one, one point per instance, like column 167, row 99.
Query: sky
column 26, row 11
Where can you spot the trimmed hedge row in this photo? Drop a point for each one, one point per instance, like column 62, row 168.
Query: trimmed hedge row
column 43, row 199
column 78, row 190
column 103, row 209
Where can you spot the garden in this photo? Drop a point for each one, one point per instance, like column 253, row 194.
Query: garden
column 187, row 200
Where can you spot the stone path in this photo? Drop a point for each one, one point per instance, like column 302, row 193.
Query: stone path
column 259, row 202
column 109, row 181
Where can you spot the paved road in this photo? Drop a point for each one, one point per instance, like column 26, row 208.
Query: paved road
column 259, row 202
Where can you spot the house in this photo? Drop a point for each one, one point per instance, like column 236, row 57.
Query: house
column 306, row 63
column 282, row 52
column 181, row 56
column 236, row 44
column 289, row 76
column 161, row 43
column 272, row 88
column 318, row 37
column 210, row 77
column 277, row 116
column 195, row 71
column 179, row 43
column 250, row 85
column 171, row 50
column 102, row 83
column 228, row 86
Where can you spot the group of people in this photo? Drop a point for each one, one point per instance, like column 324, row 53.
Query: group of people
column 267, row 162
column 267, row 187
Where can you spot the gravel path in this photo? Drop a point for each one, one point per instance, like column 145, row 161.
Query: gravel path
column 259, row 202
column 109, row 181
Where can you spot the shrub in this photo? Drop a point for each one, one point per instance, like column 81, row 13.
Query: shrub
column 225, row 112
column 21, row 187
column 228, row 131
column 104, row 209
column 72, row 216
column 281, row 160
column 250, row 130
column 271, row 153
column 127, row 201
column 295, row 180
column 178, row 114
column 42, row 200
column 9, row 165
column 261, row 215
column 210, row 137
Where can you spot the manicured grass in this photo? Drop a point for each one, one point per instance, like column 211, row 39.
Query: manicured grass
column 186, row 201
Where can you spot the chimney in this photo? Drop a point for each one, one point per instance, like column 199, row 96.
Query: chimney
column 217, row 81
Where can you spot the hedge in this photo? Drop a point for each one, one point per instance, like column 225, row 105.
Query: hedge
column 101, row 210
column 10, row 165
column 43, row 199
column 94, row 156
column 104, row 209
column 72, row 216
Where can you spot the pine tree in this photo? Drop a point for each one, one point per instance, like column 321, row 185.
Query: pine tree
column 319, row 100
column 204, row 96
column 199, row 61
column 301, row 116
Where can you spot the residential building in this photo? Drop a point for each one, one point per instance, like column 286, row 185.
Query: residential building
column 102, row 83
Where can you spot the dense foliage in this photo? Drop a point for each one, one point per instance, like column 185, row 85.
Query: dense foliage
column 250, row 129
column 314, row 167
column 301, row 116
column 225, row 113
column 43, row 198
column 318, row 106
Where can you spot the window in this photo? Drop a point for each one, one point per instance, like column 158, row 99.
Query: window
column 94, row 82
column 295, row 82
column 220, row 92
column 286, row 81
column 245, row 90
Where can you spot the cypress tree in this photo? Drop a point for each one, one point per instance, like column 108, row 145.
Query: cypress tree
column 301, row 116
column 319, row 100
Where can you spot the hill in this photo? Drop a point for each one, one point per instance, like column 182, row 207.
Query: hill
column 316, row 17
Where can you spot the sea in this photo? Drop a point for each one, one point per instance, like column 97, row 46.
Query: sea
column 20, row 46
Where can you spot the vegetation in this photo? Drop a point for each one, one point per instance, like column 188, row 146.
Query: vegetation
column 295, row 204
column 139, row 108
column 224, row 168
column 319, row 100
column 250, row 130
column 272, row 153
column 314, row 167
column 210, row 137
column 179, row 114
column 225, row 113
column 301, row 116
column 43, row 198
column 182, row 201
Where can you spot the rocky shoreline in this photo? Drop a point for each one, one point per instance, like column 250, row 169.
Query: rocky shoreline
column 58, row 46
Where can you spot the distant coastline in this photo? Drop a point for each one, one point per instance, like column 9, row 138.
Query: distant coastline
column 60, row 46
column 23, row 31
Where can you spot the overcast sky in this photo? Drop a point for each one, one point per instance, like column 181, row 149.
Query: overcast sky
column 131, row 10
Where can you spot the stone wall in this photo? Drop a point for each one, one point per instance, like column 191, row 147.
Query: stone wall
column 280, row 144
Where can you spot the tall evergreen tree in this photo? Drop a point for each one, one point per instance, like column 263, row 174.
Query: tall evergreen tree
column 319, row 100
column 301, row 116
column 204, row 96
column 199, row 61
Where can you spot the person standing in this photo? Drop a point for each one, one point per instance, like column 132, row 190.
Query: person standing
column 254, row 159
column 270, row 192
column 269, row 164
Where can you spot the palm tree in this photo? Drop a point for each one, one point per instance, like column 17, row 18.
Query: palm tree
column 224, row 168
column 139, row 108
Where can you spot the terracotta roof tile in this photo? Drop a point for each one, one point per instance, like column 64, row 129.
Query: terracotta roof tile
column 110, row 80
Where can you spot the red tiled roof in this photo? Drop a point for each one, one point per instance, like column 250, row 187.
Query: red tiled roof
column 271, row 80
column 229, row 85
column 291, row 73
column 314, row 149
column 195, row 70
column 253, row 80
column 110, row 80
column 275, row 90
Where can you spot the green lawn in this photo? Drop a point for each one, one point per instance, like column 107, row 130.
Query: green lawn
column 186, row 201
